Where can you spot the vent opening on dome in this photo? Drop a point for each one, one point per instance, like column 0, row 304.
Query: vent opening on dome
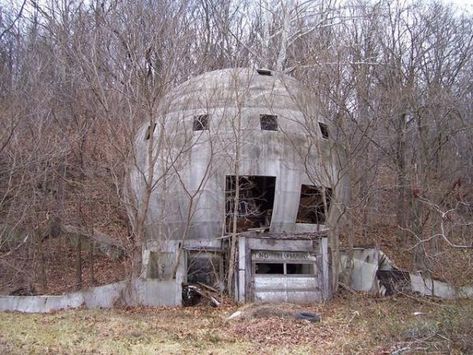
column 265, row 72
column 149, row 131
column 201, row 123
column 324, row 130
column 269, row 122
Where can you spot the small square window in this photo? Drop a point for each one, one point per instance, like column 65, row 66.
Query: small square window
column 265, row 72
column 201, row 123
column 324, row 130
column 149, row 131
column 269, row 122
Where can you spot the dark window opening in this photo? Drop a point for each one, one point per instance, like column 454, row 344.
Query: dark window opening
column 269, row 269
column 255, row 205
column 323, row 130
column 269, row 122
column 153, row 270
column 149, row 131
column 203, row 267
column 265, row 72
column 299, row 269
column 201, row 123
column 311, row 205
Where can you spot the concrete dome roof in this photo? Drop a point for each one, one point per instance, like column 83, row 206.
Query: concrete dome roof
column 194, row 167
column 243, row 87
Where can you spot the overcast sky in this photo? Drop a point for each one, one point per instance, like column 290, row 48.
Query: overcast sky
column 463, row 4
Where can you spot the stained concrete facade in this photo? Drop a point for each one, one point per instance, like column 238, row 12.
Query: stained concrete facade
column 192, row 165
column 148, row 293
column 373, row 272
column 212, row 127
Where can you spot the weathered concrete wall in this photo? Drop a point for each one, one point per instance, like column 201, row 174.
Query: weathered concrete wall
column 150, row 293
column 201, row 159
column 366, row 263
column 429, row 287
column 153, row 293
column 364, row 268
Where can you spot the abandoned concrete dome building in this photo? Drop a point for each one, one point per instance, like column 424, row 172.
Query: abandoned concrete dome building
column 246, row 151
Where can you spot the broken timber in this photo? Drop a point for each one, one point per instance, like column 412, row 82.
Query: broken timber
column 204, row 291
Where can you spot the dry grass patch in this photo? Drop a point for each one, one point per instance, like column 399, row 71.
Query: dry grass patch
column 353, row 324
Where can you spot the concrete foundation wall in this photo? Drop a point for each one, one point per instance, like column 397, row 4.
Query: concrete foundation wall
column 436, row 288
column 150, row 293
column 367, row 262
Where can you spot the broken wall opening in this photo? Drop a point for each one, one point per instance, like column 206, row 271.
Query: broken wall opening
column 205, row 267
column 324, row 130
column 256, row 201
column 205, row 277
column 311, row 205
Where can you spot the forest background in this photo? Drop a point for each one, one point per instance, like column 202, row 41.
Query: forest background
column 77, row 80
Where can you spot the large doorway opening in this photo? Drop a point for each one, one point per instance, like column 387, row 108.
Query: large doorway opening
column 255, row 203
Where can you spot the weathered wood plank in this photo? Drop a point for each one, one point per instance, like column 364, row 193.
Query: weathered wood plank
column 241, row 269
column 280, row 245
column 274, row 282
column 289, row 296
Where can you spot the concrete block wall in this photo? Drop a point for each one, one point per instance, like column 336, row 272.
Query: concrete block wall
column 148, row 293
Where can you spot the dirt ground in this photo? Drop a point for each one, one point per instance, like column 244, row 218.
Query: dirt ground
column 351, row 324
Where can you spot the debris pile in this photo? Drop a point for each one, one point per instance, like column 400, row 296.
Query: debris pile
column 373, row 272
column 198, row 293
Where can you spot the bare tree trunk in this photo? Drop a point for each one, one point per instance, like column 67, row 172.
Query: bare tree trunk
column 419, row 249
column 401, row 177
column 334, row 243
column 42, row 263
column 91, row 261
column 282, row 54
column 79, row 263
column 233, row 239
column 349, row 230
column 137, row 255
